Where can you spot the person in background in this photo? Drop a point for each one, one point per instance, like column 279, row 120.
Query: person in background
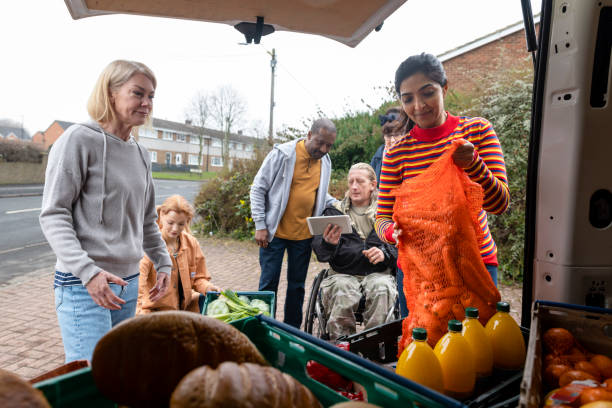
column 361, row 264
column 421, row 84
column 98, row 210
column 394, row 124
column 189, row 277
column 391, row 133
column 290, row 186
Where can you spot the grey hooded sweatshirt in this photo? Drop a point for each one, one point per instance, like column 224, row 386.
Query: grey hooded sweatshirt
column 98, row 207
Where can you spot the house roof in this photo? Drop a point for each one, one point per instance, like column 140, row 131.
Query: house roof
column 65, row 125
column 489, row 38
column 20, row 132
column 185, row 128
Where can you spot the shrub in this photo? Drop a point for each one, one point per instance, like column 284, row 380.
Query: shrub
column 17, row 151
column 223, row 203
column 338, row 184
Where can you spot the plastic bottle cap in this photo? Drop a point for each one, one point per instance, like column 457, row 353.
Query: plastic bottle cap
column 455, row 326
column 418, row 333
column 503, row 307
column 471, row 312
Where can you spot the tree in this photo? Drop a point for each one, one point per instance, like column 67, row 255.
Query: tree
column 227, row 110
column 199, row 114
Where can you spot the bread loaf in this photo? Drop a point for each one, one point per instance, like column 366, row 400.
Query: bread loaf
column 141, row 360
column 18, row 393
column 245, row 385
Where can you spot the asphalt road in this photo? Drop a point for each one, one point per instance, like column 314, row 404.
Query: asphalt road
column 23, row 248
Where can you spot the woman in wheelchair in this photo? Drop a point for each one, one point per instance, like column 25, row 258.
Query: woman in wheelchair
column 361, row 264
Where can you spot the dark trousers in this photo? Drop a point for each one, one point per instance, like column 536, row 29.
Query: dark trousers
column 298, row 258
column 399, row 277
column 493, row 272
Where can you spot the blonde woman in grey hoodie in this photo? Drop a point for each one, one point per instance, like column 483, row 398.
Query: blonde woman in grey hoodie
column 98, row 210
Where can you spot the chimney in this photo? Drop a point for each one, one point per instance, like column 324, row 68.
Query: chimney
column 188, row 121
column 240, row 132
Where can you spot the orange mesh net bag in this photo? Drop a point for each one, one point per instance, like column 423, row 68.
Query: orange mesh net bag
column 437, row 212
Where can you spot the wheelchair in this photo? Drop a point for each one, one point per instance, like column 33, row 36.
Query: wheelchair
column 315, row 322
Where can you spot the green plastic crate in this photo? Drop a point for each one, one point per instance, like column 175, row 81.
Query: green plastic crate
column 74, row 390
column 289, row 350
column 267, row 296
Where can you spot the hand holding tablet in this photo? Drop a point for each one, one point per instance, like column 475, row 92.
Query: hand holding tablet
column 317, row 225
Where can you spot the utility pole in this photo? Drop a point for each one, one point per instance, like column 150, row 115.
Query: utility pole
column 273, row 67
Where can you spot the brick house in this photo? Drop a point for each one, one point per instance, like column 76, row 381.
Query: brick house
column 485, row 60
column 174, row 145
column 45, row 139
column 14, row 133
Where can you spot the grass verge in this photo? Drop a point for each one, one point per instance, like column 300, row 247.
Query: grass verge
column 172, row 175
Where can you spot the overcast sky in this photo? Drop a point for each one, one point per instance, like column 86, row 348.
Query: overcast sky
column 50, row 62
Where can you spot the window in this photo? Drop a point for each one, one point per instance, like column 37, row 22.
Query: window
column 216, row 143
column 232, row 146
column 216, row 162
column 239, row 146
column 193, row 159
column 248, row 147
column 153, row 157
column 167, row 135
column 195, row 139
column 178, row 159
column 147, row 132
column 181, row 137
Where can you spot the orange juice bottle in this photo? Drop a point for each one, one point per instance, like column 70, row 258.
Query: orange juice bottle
column 419, row 363
column 506, row 339
column 475, row 335
column 457, row 362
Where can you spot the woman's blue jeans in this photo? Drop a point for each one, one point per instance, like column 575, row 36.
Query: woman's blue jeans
column 82, row 322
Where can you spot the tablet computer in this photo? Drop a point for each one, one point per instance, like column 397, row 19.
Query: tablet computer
column 317, row 225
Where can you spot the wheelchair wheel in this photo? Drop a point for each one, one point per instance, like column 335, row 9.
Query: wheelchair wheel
column 315, row 316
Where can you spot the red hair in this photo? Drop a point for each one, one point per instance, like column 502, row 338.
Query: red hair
column 178, row 204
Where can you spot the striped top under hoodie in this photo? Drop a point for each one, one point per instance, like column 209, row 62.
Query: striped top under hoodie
column 413, row 154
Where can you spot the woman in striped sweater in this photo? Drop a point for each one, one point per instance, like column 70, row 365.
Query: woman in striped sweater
column 421, row 84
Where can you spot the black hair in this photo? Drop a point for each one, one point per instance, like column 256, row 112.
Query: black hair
column 425, row 63
column 394, row 109
column 401, row 124
column 404, row 125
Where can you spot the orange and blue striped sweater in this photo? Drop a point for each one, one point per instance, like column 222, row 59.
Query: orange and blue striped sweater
column 413, row 154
